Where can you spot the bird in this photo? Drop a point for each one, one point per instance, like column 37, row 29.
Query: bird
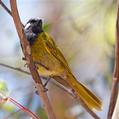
column 50, row 62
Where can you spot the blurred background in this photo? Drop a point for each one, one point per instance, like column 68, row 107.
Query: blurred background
column 84, row 30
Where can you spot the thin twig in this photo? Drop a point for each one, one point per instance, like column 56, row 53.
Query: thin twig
column 5, row 7
column 32, row 68
column 23, row 108
column 27, row 111
column 115, row 83
column 116, row 109
column 15, row 68
column 93, row 114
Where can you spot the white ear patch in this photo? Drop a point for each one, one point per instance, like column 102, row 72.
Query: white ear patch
column 27, row 25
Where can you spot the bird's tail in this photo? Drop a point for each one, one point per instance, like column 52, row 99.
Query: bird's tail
column 85, row 94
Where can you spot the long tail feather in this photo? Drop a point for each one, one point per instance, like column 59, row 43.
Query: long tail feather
column 85, row 94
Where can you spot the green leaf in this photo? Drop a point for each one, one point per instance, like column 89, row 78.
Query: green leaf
column 46, row 27
column 3, row 89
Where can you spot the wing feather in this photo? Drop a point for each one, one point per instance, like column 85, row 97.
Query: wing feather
column 54, row 50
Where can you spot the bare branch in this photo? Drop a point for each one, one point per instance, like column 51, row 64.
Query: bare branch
column 15, row 68
column 93, row 114
column 26, row 110
column 27, row 53
column 115, row 83
column 5, row 7
column 116, row 109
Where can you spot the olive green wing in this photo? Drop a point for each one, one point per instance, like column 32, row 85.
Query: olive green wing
column 53, row 49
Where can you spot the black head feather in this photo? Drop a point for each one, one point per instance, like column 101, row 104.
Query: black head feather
column 34, row 25
column 32, row 28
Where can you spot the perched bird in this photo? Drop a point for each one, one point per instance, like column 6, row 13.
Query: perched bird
column 50, row 62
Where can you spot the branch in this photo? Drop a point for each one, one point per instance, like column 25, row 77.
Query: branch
column 116, row 109
column 27, row 111
column 5, row 7
column 115, row 83
column 15, row 68
column 32, row 68
column 93, row 114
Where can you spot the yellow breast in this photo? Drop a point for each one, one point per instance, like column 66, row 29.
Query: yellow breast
column 40, row 54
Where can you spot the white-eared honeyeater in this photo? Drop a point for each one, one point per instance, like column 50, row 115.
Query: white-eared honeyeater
column 50, row 62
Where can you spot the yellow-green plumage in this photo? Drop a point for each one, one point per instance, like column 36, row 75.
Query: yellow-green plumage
column 44, row 51
column 42, row 54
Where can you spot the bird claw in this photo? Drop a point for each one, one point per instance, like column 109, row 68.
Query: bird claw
column 23, row 58
column 26, row 65
column 74, row 93
column 44, row 90
column 48, row 79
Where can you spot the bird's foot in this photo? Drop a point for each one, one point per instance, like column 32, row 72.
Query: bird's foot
column 74, row 93
column 47, row 80
column 23, row 58
column 45, row 90
column 26, row 64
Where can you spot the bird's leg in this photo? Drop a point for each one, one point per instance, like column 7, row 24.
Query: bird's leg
column 45, row 84
column 74, row 93
column 26, row 64
column 47, row 80
column 23, row 58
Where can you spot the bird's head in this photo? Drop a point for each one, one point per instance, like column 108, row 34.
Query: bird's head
column 34, row 26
